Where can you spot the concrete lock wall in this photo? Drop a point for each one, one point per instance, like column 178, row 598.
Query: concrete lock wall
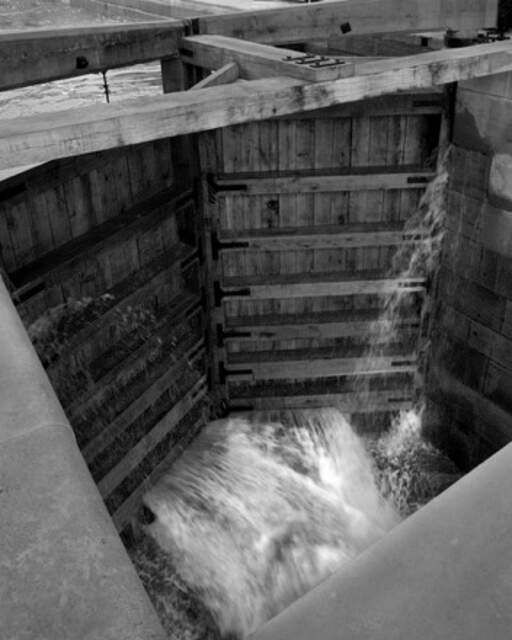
column 469, row 382
column 64, row 573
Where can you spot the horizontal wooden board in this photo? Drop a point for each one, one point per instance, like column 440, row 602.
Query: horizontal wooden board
column 30, row 57
column 157, row 433
column 394, row 400
column 34, row 139
column 139, row 405
column 325, row 183
column 329, row 367
column 317, row 284
column 319, row 237
column 60, row 262
column 246, row 333
column 303, row 23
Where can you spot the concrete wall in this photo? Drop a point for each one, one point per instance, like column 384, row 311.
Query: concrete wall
column 470, row 380
column 443, row 573
column 64, row 574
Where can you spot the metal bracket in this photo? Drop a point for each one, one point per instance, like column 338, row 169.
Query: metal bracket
column 214, row 187
column 314, row 61
column 218, row 246
column 234, row 408
column 417, row 180
column 224, row 372
column 219, row 293
column 222, row 335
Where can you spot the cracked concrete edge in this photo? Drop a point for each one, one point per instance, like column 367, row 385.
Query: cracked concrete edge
column 64, row 573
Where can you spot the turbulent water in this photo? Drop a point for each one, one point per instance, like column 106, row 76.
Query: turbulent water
column 255, row 514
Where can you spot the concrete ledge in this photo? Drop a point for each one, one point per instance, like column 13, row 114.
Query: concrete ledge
column 445, row 573
column 64, row 574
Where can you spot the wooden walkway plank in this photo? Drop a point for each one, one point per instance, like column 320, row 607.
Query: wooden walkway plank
column 318, row 330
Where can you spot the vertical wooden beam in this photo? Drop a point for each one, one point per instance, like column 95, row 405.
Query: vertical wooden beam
column 173, row 74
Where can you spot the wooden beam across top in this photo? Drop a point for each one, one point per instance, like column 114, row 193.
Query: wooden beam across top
column 260, row 60
column 40, row 138
column 43, row 55
column 303, row 23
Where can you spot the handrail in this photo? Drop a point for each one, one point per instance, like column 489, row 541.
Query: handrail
column 64, row 573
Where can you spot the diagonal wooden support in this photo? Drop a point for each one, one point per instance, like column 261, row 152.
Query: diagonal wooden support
column 225, row 75
column 261, row 61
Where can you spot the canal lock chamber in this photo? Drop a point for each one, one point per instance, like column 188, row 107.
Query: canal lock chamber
column 242, row 271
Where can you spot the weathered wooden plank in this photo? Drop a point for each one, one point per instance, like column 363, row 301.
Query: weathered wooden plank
column 49, row 54
column 256, row 60
column 358, row 17
column 224, row 75
column 415, row 101
column 116, row 475
column 316, row 285
column 64, row 259
column 321, row 368
column 318, row 237
column 392, row 400
column 40, row 138
column 324, row 183
column 350, row 328
column 179, row 307
column 139, row 405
